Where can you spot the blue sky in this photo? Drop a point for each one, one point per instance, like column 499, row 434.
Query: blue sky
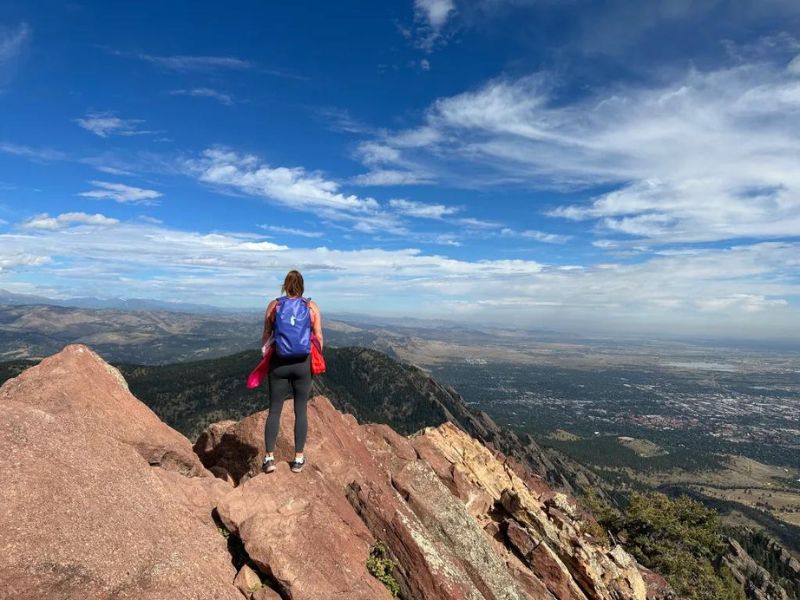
column 603, row 166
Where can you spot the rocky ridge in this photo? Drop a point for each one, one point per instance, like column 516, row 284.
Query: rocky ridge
column 759, row 584
column 101, row 500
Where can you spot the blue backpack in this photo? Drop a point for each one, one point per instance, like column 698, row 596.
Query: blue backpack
column 292, row 327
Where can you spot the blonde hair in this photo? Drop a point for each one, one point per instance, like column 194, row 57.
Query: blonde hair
column 293, row 284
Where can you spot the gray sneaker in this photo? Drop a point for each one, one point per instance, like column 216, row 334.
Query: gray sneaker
column 268, row 466
column 297, row 465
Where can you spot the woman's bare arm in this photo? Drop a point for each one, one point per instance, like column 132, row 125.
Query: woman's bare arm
column 317, row 322
column 267, row 323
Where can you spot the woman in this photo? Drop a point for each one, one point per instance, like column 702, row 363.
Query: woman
column 288, row 324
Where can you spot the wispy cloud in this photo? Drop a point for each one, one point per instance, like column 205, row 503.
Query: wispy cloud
column 204, row 92
column 36, row 154
column 535, row 234
column 112, row 170
column 432, row 15
column 385, row 177
column 194, row 63
column 401, row 170
column 12, row 41
column 106, row 124
column 293, row 187
column 794, row 65
column 45, row 221
column 711, row 156
column 422, row 210
column 434, row 12
column 311, row 191
column 292, row 231
column 187, row 63
column 473, row 223
column 340, row 119
column 119, row 192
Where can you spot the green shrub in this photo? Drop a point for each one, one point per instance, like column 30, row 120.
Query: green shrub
column 679, row 538
column 381, row 566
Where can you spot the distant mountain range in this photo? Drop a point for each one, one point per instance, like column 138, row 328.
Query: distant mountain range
column 12, row 299
column 35, row 331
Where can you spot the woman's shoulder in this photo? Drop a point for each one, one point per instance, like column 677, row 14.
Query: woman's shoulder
column 313, row 305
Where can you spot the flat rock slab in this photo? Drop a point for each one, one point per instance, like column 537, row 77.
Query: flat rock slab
column 305, row 533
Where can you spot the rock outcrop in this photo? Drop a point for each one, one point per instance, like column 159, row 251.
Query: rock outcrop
column 460, row 520
column 756, row 581
column 102, row 500
column 99, row 498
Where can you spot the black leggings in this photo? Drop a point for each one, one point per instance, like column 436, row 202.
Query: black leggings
column 286, row 374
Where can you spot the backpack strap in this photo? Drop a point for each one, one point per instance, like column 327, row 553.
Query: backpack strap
column 271, row 315
column 311, row 311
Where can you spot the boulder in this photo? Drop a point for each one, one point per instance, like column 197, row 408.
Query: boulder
column 247, row 581
column 100, row 499
column 303, row 532
column 79, row 384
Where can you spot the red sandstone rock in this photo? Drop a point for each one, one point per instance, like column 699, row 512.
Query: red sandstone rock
column 432, row 500
column 105, row 500
column 78, row 383
column 266, row 593
column 83, row 514
column 316, row 504
column 305, row 533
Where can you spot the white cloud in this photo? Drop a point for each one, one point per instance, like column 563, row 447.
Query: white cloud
column 379, row 177
column 376, row 154
column 204, row 92
column 422, row 210
column 748, row 287
column 434, row 12
column 12, row 41
column 112, row 170
column 539, row 236
column 17, row 261
column 105, row 124
column 478, row 223
column 431, row 17
column 45, row 221
column 293, row 187
column 43, row 154
column 119, row 192
column 292, row 231
column 794, row 65
column 711, row 156
column 196, row 63
column 340, row 119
